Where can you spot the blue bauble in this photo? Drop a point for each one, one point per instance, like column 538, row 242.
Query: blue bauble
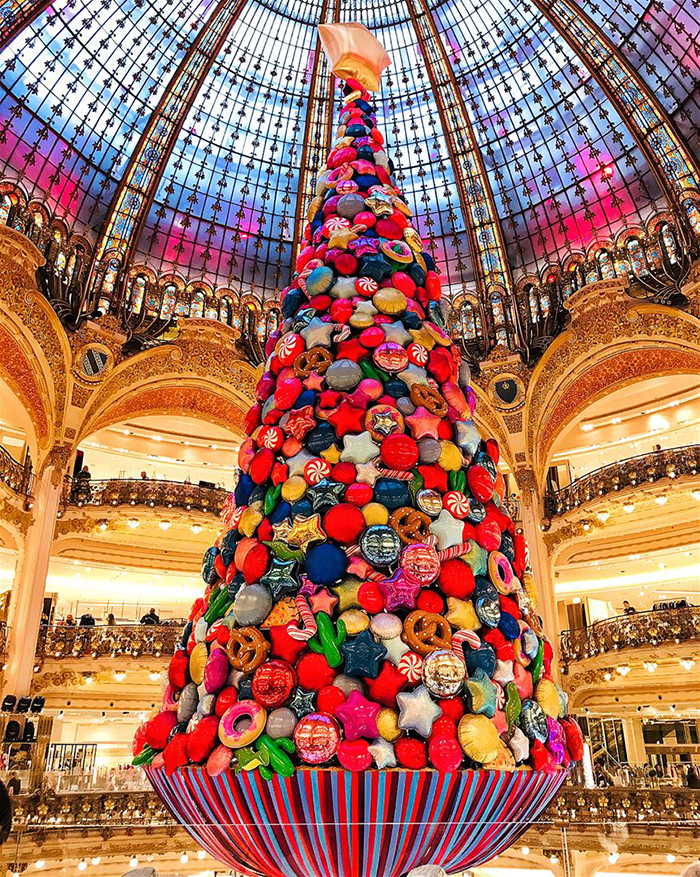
column 292, row 302
column 483, row 658
column 391, row 493
column 280, row 512
column 509, row 627
column 320, row 438
column 326, row 564
column 209, row 574
column 227, row 546
column 303, row 507
column 243, row 489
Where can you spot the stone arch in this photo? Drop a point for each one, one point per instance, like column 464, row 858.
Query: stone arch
column 611, row 343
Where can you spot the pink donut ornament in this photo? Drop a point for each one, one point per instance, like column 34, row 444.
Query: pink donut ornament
column 168, row 702
column 501, row 573
column 242, row 724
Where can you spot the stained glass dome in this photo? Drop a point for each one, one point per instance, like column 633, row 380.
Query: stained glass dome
column 174, row 137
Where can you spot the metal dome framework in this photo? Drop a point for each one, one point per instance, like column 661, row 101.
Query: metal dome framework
column 163, row 156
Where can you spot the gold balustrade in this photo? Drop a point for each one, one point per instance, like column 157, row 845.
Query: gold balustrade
column 634, row 471
column 642, row 629
column 61, row 642
column 152, row 493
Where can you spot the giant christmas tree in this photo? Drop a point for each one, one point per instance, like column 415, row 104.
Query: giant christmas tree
column 367, row 605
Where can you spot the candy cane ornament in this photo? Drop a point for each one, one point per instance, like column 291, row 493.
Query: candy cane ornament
column 307, row 619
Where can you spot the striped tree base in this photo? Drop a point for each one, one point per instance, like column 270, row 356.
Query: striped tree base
column 335, row 823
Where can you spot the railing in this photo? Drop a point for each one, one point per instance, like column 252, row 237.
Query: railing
column 669, row 463
column 3, row 641
column 126, row 640
column 143, row 492
column 679, row 808
column 17, row 476
column 631, row 631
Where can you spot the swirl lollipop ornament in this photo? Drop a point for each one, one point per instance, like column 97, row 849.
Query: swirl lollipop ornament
column 364, row 686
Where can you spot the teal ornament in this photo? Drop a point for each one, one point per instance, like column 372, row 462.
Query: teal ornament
column 482, row 694
column 319, row 281
column 380, row 545
column 363, row 655
column 279, row 578
column 533, row 721
column 303, row 702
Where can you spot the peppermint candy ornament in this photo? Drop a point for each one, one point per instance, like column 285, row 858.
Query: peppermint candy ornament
column 417, row 354
column 456, row 503
column 316, row 470
column 271, row 437
column 289, row 347
column 335, row 223
column 366, row 286
column 411, row 665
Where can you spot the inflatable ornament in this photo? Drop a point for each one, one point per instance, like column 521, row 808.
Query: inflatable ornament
column 364, row 686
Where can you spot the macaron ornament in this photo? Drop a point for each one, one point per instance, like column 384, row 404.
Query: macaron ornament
column 364, row 606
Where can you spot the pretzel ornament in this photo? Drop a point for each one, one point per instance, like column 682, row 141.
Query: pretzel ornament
column 247, row 648
column 317, row 359
column 429, row 398
column 425, row 632
column 411, row 524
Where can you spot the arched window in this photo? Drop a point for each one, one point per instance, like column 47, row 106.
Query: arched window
column 622, row 268
column 636, row 255
column 168, row 304
column 225, row 310
column 108, row 282
column 273, row 320
column 182, row 307
column 70, row 268
column 499, row 318
column 251, row 320
column 605, row 265
column 693, row 213
column 545, row 303
column 591, row 272
column 653, row 254
column 668, row 241
column 153, row 300
column 5, row 207
column 197, row 304
column 138, row 288
column 60, row 259
column 211, row 311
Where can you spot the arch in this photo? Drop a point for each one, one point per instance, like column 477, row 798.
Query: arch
column 24, row 390
column 606, row 348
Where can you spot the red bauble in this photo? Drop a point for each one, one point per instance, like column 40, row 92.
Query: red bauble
column 344, row 472
column 359, row 493
column 178, row 669
column 430, row 601
column 255, row 563
column 273, row 683
column 480, row 482
column 202, row 740
column 456, row 579
column 411, row 753
column 329, row 697
column 444, row 727
column 226, row 698
column 314, row 672
column 157, row 730
column 445, row 753
column 344, row 523
column 488, row 535
column 370, row 598
column 284, row 646
column 175, row 753
column 354, row 755
column 346, row 264
column 399, row 451
column 387, row 685
column 452, row 707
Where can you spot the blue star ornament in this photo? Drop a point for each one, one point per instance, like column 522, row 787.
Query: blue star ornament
column 362, row 655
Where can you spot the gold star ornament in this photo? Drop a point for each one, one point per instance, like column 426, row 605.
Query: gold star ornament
column 354, row 53
column 305, row 531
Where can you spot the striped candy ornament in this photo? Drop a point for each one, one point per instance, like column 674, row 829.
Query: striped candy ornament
column 307, row 619
column 464, row 636
column 336, row 823
column 411, row 665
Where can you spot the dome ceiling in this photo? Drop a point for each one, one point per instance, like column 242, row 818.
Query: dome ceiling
column 83, row 81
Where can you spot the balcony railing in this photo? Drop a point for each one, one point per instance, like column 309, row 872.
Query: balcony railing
column 121, row 640
column 3, row 640
column 678, row 809
column 17, row 476
column 113, row 492
column 631, row 631
column 632, row 472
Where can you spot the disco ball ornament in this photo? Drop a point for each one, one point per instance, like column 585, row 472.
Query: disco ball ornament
column 364, row 686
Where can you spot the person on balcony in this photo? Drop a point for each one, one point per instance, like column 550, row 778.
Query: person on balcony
column 68, row 621
column 150, row 617
column 627, row 609
column 81, row 486
column 111, row 620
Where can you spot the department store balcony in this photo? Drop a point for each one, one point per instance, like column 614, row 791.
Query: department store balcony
column 142, row 493
column 17, row 477
column 643, row 630
column 680, row 464
column 128, row 641
column 585, row 818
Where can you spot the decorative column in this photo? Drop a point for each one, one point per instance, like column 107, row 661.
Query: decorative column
column 634, row 741
column 531, row 512
column 29, row 583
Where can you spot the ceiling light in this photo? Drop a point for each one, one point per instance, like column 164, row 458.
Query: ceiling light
column 95, row 860
column 103, row 526
column 156, row 438
column 184, row 858
column 196, row 528
column 687, row 663
column 164, row 525
column 695, row 494
column 82, row 865
column 603, row 516
column 650, row 666
column 133, row 861
column 624, row 669
column 525, row 851
column 40, row 863
column 616, row 420
column 613, row 857
column 153, row 676
column 658, row 421
column 576, row 601
column 554, row 859
column 586, row 427
column 127, row 432
column 201, row 854
column 634, row 556
column 607, row 676
column 670, row 858
column 628, row 507
column 120, row 676
column 661, row 500
column 133, row 523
